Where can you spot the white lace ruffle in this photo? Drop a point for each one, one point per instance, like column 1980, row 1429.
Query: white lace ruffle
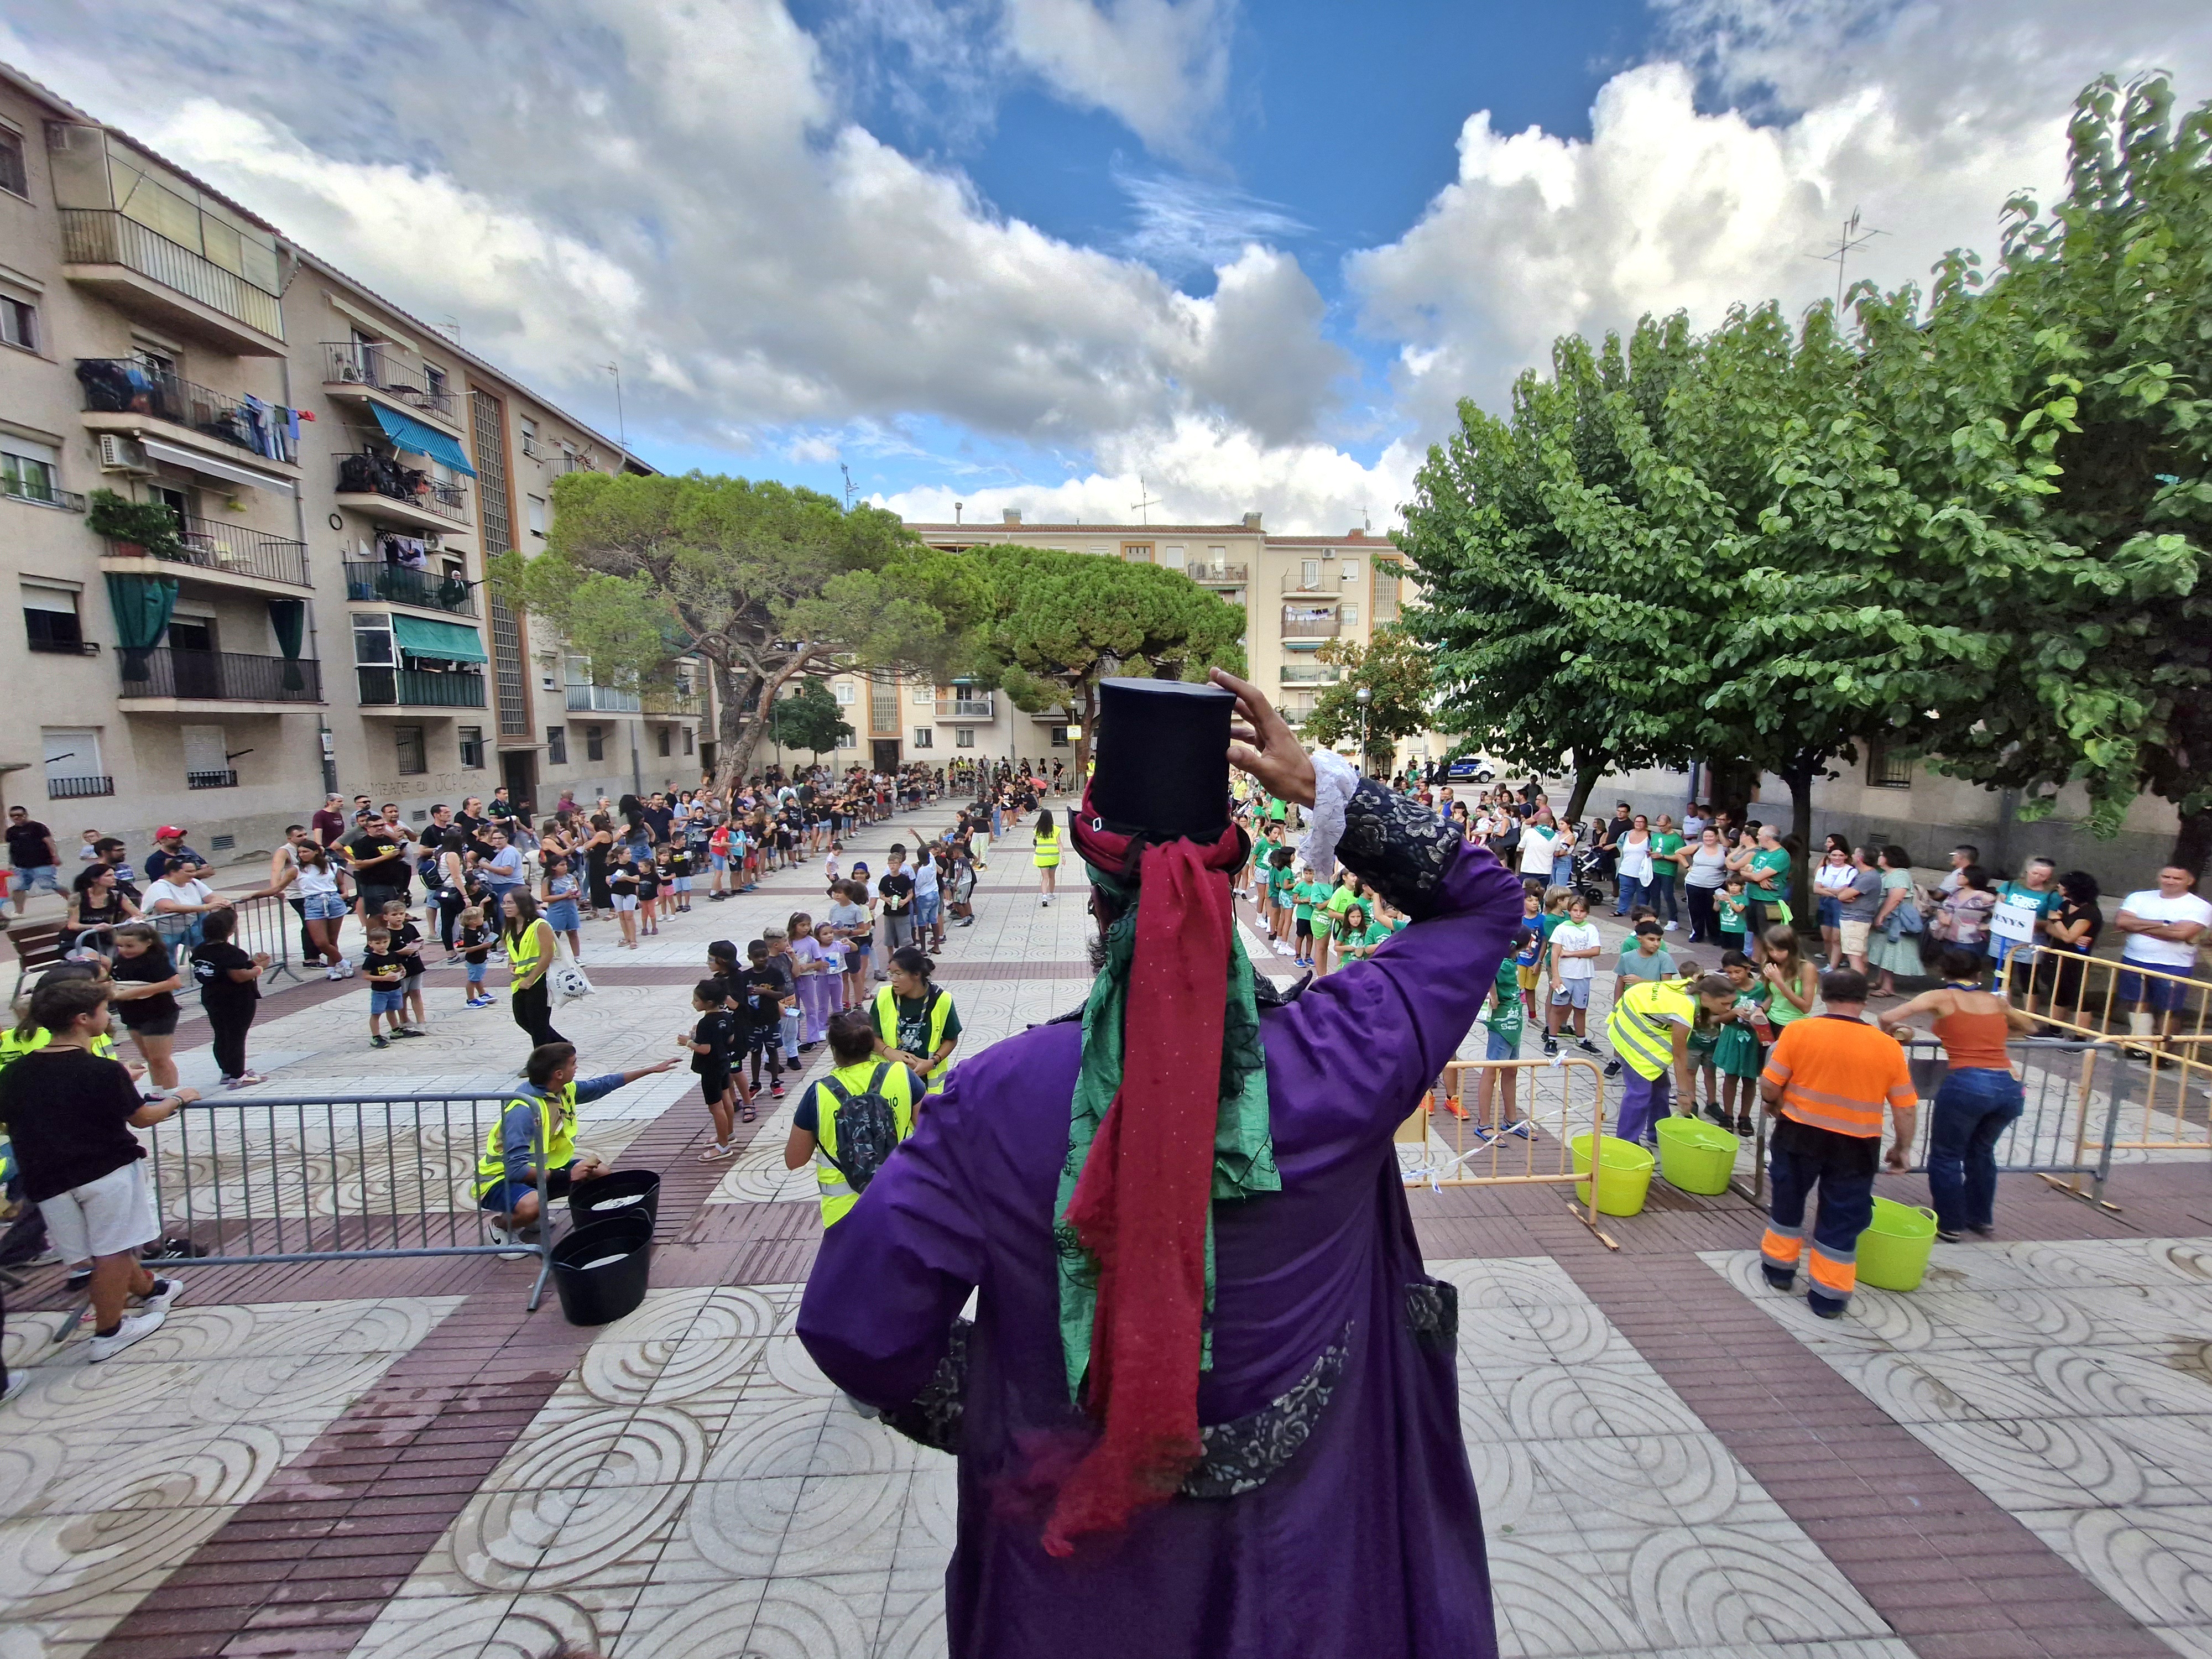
column 1335, row 780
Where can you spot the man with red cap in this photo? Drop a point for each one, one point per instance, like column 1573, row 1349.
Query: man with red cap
column 1208, row 1403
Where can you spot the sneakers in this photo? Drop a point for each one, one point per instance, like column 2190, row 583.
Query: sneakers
column 1550, row 1045
column 481, row 1002
column 346, row 970
column 243, row 1081
column 135, row 1327
column 1673, row 925
column 501, row 1236
column 1949, row 1235
column 378, row 1040
column 410, row 1031
column 158, row 1300
column 1612, row 1068
column 1587, row 1046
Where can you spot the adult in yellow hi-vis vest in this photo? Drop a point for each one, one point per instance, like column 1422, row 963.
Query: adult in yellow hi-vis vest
column 1045, row 853
column 915, row 1022
column 531, row 952
column 1649, row 1028
column 814, row 1128
column 541, row 1113
column 1829, row 1077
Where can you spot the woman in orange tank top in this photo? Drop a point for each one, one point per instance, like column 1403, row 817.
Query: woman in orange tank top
column 1980, row 1097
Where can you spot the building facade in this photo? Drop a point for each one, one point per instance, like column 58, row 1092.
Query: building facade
column 282, row 589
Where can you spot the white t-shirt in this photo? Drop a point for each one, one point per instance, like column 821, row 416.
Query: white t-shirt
column 1569, row 936
column 1636, row 857
column 1829, row 879
column 189, row 892
column 2152, row 905
column 1535, row 851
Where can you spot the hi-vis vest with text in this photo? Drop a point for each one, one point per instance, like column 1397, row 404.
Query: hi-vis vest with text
column 1641, row 1024
column 837, row 1194
column 941, row 1011
column 557, row 1134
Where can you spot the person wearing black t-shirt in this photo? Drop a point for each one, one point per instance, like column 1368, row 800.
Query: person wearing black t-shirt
column 378, row 859
column 896, row 888
column 146, row 984
column 761, row 988
column 711, row 1041
column 230, row 993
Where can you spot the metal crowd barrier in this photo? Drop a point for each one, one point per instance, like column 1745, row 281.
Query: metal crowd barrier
column 331, row 1178
column 265, row 922
column 1464, row 1145
column 2083, row 995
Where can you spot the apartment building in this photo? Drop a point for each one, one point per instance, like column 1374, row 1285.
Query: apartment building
column 283, row 590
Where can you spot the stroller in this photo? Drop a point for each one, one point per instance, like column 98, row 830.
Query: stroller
column 1587, row 882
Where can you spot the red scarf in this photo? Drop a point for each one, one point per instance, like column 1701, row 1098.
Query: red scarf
column 1142, row 1201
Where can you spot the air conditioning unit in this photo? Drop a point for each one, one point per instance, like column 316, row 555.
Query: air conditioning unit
column 121, row 454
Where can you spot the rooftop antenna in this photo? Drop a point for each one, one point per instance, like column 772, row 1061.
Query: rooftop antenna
column 450, row 327
column 956, row 506
column 1366, row 518
column 1144, row 503
column 1849, row 242
column 851, row 490
column 622, row 430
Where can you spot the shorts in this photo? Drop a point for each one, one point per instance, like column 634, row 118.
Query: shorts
column 625, row 902
column 159, row 1025
column 508, row 1193
column 1572, row 993
column 381, row 1001
column 1528, row 977
column 2164, row 996
column 713, row 1086
column 1855, row 932
column 1831, row 913
column 476, row 972
column 376, row 898
column 323, row 907
column 1501, row 1047
column 31, row 877
column 110, row 1216
column 721, row 862
column 927, row 906
column 680, row 884
column 1305, row 928
column 765, row 1039
column 564, row 917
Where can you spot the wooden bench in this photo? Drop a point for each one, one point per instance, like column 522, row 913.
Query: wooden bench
column 38, row 945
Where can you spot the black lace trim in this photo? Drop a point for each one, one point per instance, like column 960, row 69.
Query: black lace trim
column 1242, row 1455
column 1397, row 846
column 1432, row 1313
column 933, row 1417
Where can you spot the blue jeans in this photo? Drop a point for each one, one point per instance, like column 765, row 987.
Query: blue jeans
column 1661, row 896
column 1846, row 1207
column 1973, row 1109
column 1631, row 893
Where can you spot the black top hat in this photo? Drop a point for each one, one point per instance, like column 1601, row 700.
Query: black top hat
column 1162, row 749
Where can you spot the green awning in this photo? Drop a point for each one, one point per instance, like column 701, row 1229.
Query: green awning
column 409, row 434
column 420, row 636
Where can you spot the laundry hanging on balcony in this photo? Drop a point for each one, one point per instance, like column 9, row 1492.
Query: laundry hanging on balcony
column 410, row 434
column 410, row 550
column 439, row 641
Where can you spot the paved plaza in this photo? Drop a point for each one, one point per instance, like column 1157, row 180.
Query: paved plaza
column 392, row 1458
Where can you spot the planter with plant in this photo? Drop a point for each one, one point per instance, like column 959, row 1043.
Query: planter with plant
column 137, row 529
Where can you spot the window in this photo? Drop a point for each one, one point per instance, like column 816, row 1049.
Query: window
column 1060, row 736
column 50, row 619
column 472, row 738
column 407, row 743
column 1171, row 557
column 537, row 515
column 73, row 768
column 595, row 746
column 964, row 737
column 1348, row 571
column 1348, row 614
column 665, row 732
column 19, row 322
column 1888, row 770
column 433, row 383
column 372, row 640
column 924, row 696
column 557, row 745
column 207, row 758
column 1386, row 591
column 530, row 446
column 883, row 708
column 1137, row 552
column 27, row 472
column 13, row 177
column 1309, row 573
column 924, row 737
column 690, row 738
column 843, row 689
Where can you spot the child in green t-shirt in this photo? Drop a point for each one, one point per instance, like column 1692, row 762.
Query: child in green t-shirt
column 1504, row 1018
column 1303, row 896
column 1733, row 908
column 1741, row 1050
column 1643, row 955
column 1328, row 916
column 1280, row 883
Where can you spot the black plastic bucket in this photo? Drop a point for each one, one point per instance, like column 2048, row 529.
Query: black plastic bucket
column 600, row 1269
column 626, row 1192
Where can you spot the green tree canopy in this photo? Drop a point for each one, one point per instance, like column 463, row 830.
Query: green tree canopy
column 811, row 719
column 762, row 581
column 1394, row 669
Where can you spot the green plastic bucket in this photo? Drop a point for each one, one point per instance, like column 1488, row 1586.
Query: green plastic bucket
column 1627, row 1175
column 1695, row 1156
column 1894, row 1248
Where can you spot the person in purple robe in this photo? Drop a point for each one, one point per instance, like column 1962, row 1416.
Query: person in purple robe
column 1208, row 1403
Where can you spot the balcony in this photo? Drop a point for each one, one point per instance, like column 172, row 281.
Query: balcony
column 603, row 699
column 224, row 779
column 400, row 584
column 78, row 789
column 964, row 708
column 388, row 492
column 380, row 372
column 225, row 437
column 419, row 688
column 39, row 493
column 1299, row 673
column 1219, row 575
column 164, row 680
column 679, row 703
column 143, row 273
column 1329, row 582
column 1310, row 628
column 220, row 551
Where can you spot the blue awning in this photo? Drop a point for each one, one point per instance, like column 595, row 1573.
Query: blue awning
column 411, row 433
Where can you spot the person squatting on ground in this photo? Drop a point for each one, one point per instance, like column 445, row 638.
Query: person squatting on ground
column 537, row 1130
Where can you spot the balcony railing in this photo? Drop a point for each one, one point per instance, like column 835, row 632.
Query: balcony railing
column 1329, row 582
column 97, row 236
column 213, row 545
column 78, row 789
column 604, row 700
column 1219, row 575
column 963, row 708
column 364, row 473
column 1309, row 628
column 38, row 494
column 1299, row 673
column 387, row 369
column 419, row 688
column 400, row 584
column 123, row 386
column 218, row 676
column 674, row 703
column 225, row 779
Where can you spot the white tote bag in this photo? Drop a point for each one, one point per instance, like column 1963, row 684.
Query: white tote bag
column 567, row 977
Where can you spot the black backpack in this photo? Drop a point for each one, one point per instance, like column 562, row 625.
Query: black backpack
column 867, row 1128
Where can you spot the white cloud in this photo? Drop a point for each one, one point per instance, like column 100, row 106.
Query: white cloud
column 1160, row 66
column 1926, row 116
column 1187, row 224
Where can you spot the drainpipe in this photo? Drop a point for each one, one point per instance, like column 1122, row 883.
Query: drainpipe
column 636, row 772
column 323, row 738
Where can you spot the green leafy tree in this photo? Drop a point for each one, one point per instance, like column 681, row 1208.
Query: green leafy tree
column 762, row 581
column 1396, row 670
column 1059, row 622
column 811, row 719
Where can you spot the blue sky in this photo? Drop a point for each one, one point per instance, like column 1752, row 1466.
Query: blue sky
column 1029, row 252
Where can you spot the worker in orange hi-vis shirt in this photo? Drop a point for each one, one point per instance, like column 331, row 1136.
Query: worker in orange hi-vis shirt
column 1829, row 1079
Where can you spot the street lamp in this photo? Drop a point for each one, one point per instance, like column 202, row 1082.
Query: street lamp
column 1361, row 696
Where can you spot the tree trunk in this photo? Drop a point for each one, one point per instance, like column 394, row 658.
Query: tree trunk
column 1586, row 776
column 1800, row 779
column 735, row 737
column 2192, row 844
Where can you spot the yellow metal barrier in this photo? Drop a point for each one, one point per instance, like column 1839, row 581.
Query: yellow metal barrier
column 1468, row 1138
column 2092, row 997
